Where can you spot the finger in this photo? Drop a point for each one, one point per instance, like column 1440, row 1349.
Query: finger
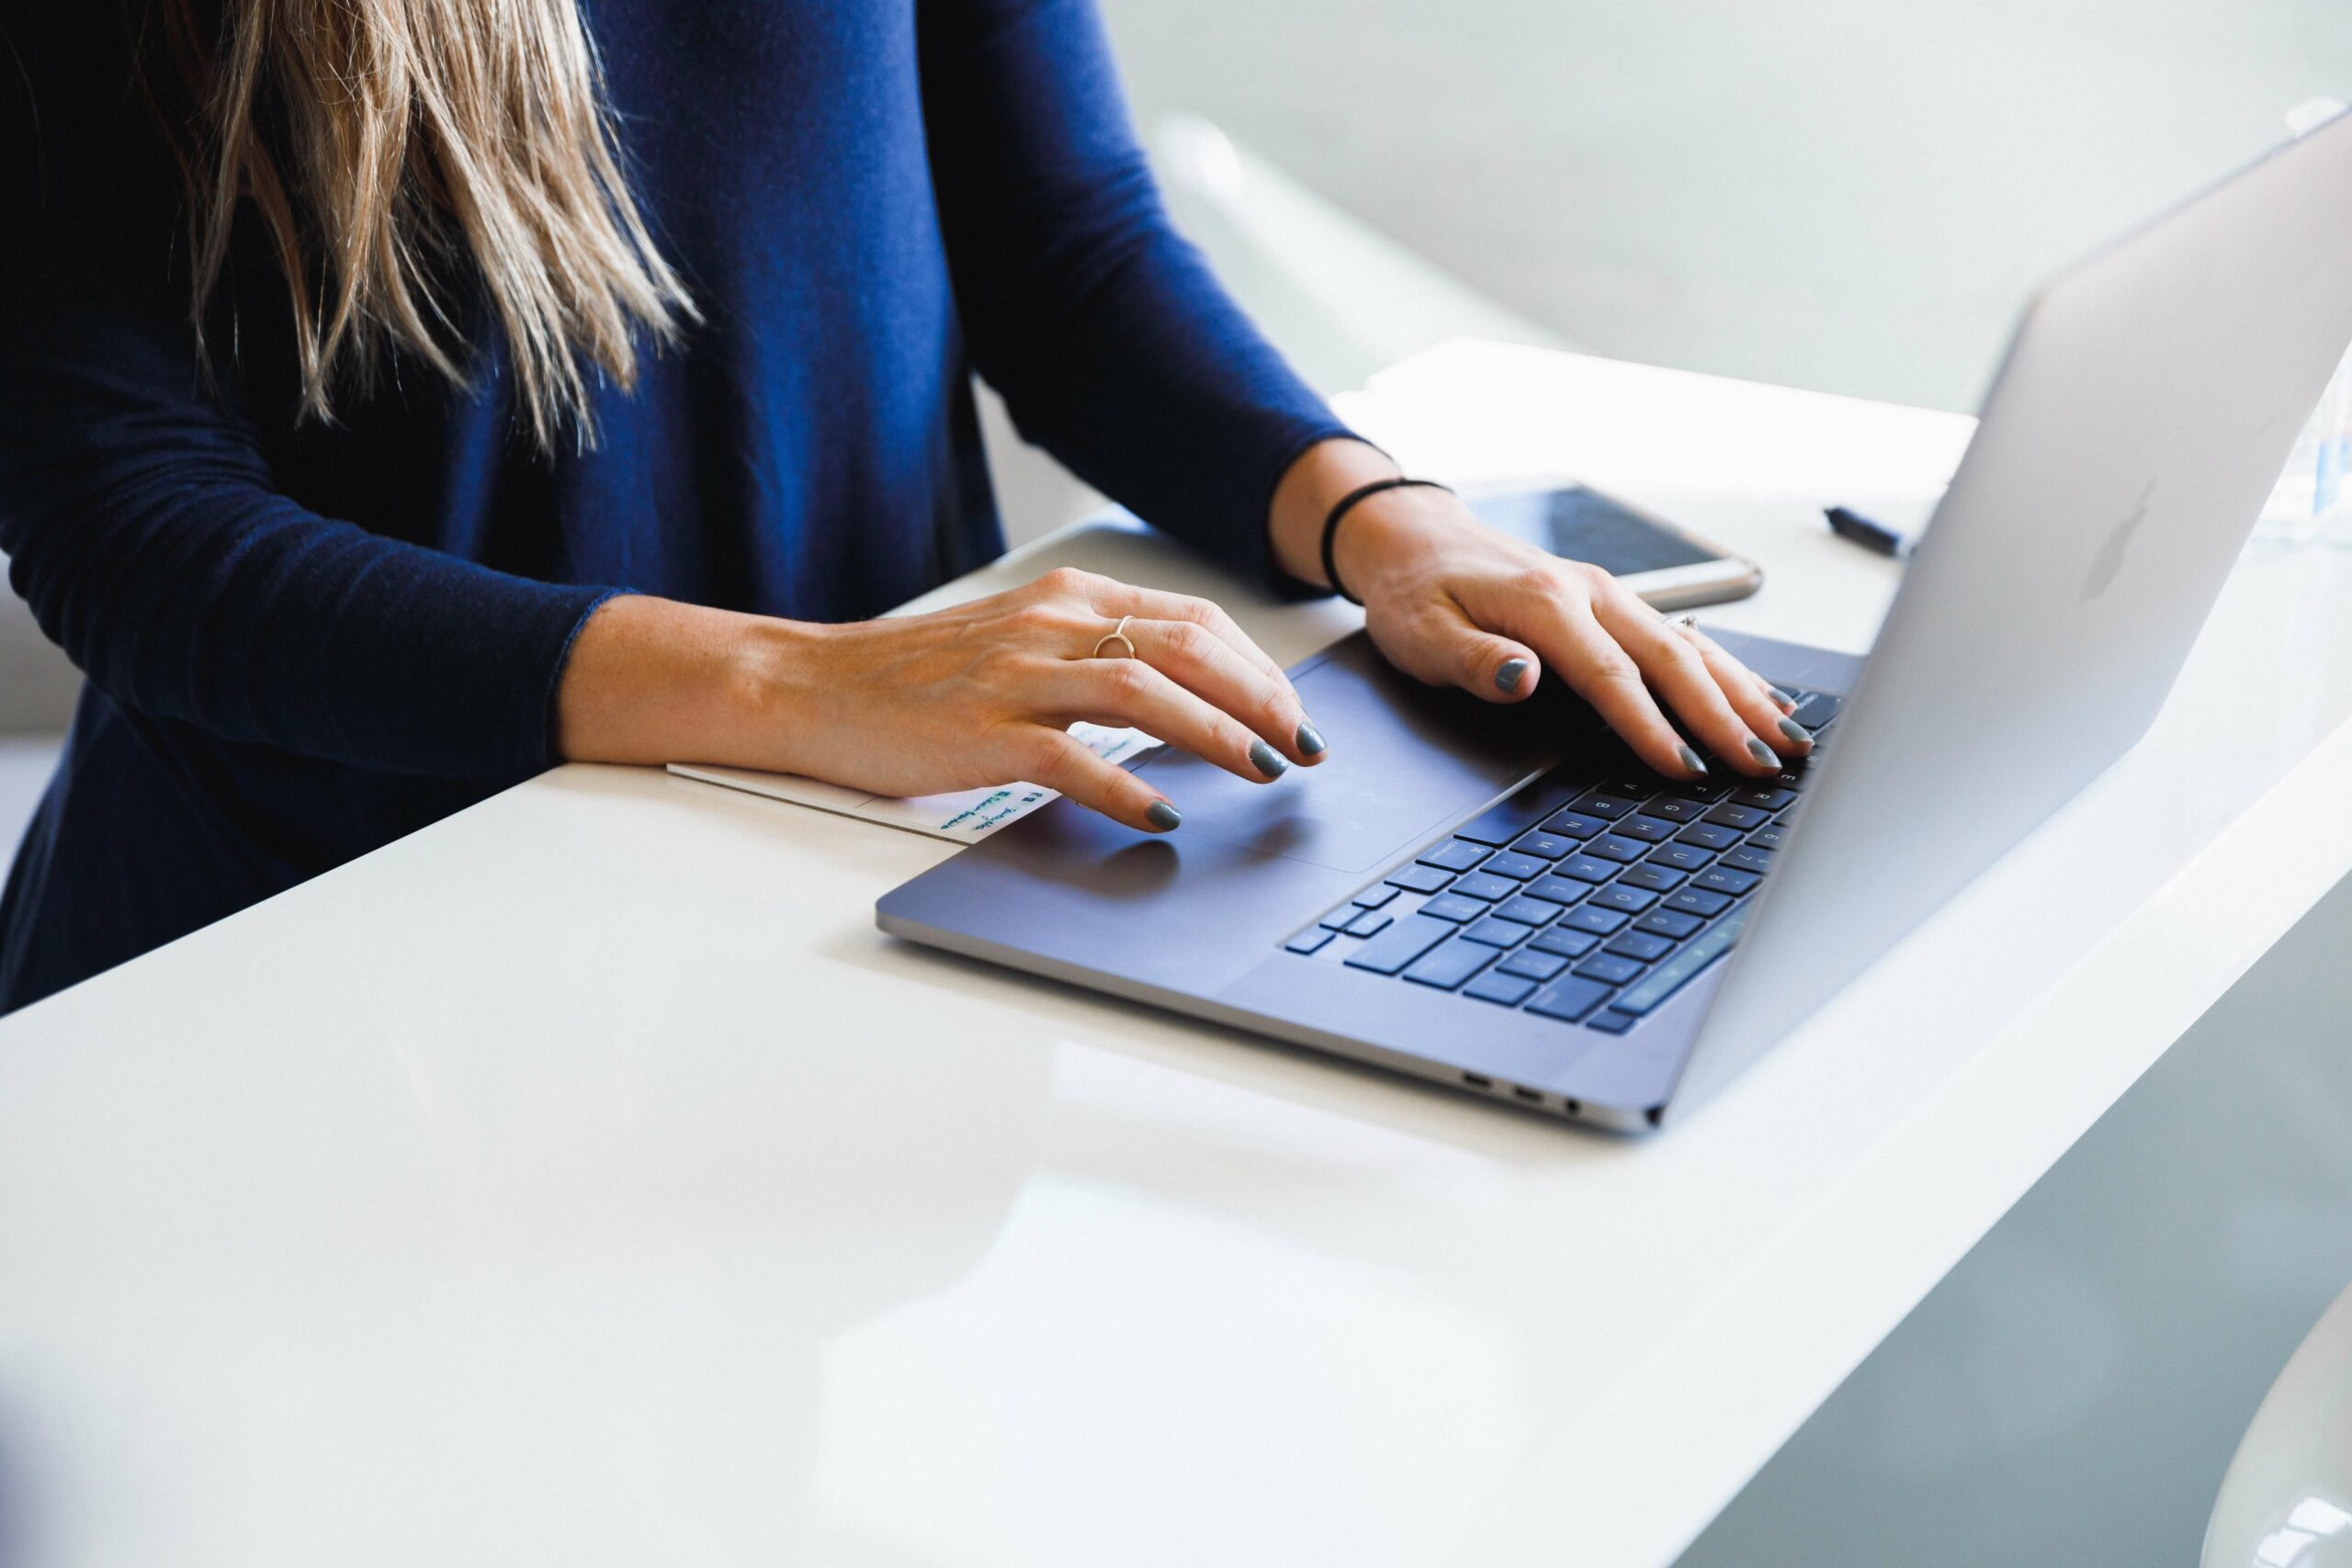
column 1751, row 696
column 1130, row 691
column 1114, row 599
column 1583, row 653
column 1445, row 648
column 1212, row 669
column 1055, row 759
column 1673, row 667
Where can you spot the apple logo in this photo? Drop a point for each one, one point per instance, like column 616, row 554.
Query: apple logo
column 2109, row 559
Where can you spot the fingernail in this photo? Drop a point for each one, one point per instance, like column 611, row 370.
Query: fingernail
column 1507, row 679
column 1761, row 753
column 1164, row 817
column 1796, row 733
column 1692, row 764
column 1783, row 698
column 1267, row 761
column 1309, row 741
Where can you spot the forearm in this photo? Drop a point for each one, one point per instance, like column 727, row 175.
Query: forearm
column 655, row 681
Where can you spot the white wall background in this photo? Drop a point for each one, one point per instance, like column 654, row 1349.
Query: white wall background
column 1850, row 195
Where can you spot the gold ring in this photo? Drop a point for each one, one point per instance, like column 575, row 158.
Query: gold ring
column 1117, row 634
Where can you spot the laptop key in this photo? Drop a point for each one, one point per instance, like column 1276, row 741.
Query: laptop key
column 1764, row 798
column 1519, row 868
column 1609, row 969
column 1563, row 942
column 1419, row 878
column 1449, row 964
column 1748, row 857
column 1484, row 885
column 1600, row 802
column 1505, row 991
column 1558, row 891
column 1370, row 922
column 1399, row 944
column 1527, row 911
column 1676, row 972
column 1740, row 817
column 1653, row 878
column 1587, row 868
column 1609, row 1020
column 1307, row 941
column 1668, row 922
column 1707, row 836
column 1630, row 900
column 1338, row 919
column 1453, row 907
column 1568, row 998
column 1573, row 825
column 1543, row 846
column 1624, row 851
column 1817, row 708
column 1771, row 838
column 1674, row 808
column 1500, row 823
column 1681, row 857
column 1529, row 965
column 1699, row 902
column 1375, row 898
column 1648, row 829
column 1492, row 933
column 1455, row 854
column 1720, row 879
column 1601, row 922
column 1640, row 946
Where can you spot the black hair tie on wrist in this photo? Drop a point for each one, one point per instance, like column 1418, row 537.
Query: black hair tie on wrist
column 1346, row 503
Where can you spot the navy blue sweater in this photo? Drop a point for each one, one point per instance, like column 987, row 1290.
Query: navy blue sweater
column 302, row 641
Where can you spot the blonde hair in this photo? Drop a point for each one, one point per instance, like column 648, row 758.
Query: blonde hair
column 380, row 141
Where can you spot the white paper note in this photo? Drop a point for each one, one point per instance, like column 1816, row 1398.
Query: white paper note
column 964, row 816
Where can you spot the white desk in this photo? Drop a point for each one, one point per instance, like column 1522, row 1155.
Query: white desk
column 584, row 1182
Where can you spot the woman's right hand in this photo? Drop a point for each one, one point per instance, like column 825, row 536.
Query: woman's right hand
column 980, row 693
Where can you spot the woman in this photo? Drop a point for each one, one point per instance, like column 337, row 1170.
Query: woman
column 399, row 396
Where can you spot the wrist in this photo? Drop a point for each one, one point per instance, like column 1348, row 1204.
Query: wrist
column 654, row 680
column 1388, row 537
column 1315, row 483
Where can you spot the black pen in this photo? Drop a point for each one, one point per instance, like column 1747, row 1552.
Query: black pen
column 1877, row 537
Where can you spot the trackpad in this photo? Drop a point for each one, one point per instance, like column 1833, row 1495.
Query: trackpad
column 1405, row 759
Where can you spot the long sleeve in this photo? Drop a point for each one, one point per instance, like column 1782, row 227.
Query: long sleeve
column 1114, row 347
column 137, row 503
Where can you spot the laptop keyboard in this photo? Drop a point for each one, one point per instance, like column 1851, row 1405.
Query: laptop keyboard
column 1590, row 896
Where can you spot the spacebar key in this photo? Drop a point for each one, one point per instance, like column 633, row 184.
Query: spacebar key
column 1400, row 944
column 1668, row 978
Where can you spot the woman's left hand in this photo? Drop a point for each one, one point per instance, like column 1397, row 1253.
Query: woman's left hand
column 1455, row 603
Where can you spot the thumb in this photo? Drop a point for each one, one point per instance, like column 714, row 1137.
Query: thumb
column 1493, row 667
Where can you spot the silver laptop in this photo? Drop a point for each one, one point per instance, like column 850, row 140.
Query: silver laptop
column 1501, row 899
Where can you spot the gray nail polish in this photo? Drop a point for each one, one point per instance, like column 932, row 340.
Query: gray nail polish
column 1761, row 753
column 1692, row 762
column 1309, row 741
column 1507, row 679
column 1164, row 817
column 1783, row 698
column 1796, row 733
column 1267, row 761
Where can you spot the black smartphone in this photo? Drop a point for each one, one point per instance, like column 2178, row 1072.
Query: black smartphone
column 1668, row 565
